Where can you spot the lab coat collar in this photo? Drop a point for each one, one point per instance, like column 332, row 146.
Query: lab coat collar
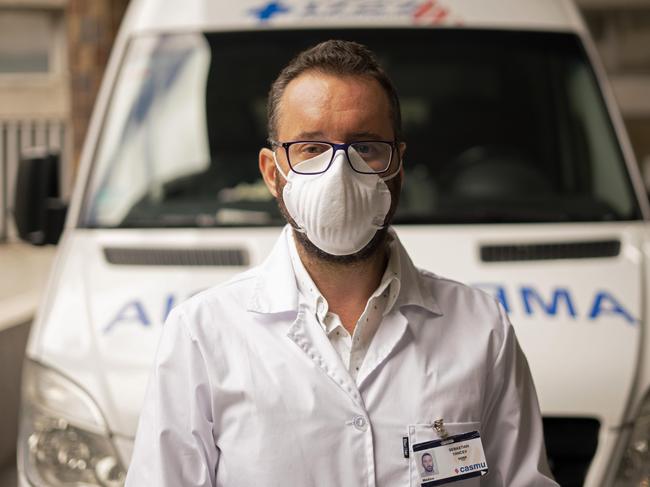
column 275, row 287
column 415, row 289
column 276, row 290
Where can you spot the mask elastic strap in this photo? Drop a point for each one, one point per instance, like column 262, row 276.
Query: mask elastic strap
column 388, row 178
column 275, row 159
column 277, row 166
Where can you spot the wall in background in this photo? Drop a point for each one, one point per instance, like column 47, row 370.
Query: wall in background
column 621, row 29
column 92, row 27
column 48, row 50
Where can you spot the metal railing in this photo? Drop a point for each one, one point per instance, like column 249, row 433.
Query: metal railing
column 15, row 137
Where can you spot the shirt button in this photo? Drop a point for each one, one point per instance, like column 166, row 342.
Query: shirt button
column 360, row 423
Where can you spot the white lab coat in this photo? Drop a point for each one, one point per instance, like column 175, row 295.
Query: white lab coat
column 247, row 390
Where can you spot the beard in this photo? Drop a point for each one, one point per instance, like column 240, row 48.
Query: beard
column 377, row 243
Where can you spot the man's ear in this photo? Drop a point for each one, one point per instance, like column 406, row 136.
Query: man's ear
column 267, row 168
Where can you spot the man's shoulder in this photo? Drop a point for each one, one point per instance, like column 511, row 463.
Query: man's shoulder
column 232, row 294
column 444, row 288
column 441, row 290
column 474, row 315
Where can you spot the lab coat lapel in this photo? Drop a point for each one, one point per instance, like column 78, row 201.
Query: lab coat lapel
column 306, row 333
column 276, row 292
column 394, row 328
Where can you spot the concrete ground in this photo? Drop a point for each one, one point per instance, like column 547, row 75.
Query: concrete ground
column 24, row 270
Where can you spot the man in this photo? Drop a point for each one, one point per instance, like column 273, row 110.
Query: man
column 428, row 467
column 326, row 364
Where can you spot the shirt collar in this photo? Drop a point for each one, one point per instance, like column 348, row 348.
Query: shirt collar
column 415, row 289
column 276, row 287
column 389, row 284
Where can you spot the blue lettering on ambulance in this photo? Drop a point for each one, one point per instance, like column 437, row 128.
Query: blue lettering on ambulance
column 530, row 295
column 604, row 302
column 269, row 10
column 533, row 302
column 133, row 311
column 169, row 304
column 338, row 8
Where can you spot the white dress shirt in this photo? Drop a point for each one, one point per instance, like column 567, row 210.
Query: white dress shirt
column 351, row 349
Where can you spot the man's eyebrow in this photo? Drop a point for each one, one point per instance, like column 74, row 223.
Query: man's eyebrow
column 365, row 135
column 318, row 135
column 310, row 135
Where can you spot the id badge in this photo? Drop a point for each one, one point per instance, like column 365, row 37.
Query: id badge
column 453, row 458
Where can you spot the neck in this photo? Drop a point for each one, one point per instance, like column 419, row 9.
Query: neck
column 346, row 286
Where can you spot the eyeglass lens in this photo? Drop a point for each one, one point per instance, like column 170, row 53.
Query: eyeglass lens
column 315, row 157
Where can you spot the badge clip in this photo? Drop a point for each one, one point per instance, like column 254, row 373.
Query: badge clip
column 439, row 426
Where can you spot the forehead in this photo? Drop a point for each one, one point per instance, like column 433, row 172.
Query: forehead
column 337, row 104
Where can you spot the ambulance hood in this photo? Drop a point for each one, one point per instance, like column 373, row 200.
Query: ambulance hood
column 573, row 293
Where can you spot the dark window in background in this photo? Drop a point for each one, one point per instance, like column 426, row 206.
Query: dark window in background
column 500, row 127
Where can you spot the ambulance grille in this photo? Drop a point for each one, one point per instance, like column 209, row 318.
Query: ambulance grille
column 175, row 257
column 551, row 251
column 571, row 445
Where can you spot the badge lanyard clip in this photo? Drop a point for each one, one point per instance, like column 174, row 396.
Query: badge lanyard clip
column 439, row 426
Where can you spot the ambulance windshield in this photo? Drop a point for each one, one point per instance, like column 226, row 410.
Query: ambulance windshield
column 500, row 127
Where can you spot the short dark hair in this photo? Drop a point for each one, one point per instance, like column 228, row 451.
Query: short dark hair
column 337, row 57
column 426, row 455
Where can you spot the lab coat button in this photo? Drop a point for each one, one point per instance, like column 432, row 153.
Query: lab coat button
column 360, row 423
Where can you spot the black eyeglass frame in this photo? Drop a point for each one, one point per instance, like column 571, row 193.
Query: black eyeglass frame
column 336, row 147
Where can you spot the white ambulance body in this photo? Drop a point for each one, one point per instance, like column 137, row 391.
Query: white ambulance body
column 519, row 180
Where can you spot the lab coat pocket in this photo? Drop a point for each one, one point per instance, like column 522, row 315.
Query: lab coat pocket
column 418, row 433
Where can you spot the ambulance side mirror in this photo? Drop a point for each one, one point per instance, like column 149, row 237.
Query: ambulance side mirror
column 39, row 212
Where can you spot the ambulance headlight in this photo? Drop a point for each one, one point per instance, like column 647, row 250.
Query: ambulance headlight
column 634, row 469
column 63, row 438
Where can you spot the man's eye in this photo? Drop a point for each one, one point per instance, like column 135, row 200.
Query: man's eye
column 365, row 149
column 312, row 149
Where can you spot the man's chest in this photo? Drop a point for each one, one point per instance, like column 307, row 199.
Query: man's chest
column 292, row 393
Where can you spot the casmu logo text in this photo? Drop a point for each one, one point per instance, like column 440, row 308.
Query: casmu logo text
column 471, row 468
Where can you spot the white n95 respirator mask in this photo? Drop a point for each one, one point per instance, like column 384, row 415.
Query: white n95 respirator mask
column 339, row 210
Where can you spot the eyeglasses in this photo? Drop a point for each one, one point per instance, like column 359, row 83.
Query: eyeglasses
column 315, row 157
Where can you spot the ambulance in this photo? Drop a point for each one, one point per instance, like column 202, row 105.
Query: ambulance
column 519, row 180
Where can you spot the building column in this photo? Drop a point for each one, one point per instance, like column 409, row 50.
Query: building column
column 92, row 27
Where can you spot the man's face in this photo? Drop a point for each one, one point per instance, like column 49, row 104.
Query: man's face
column 427, row 463
column 340, row 109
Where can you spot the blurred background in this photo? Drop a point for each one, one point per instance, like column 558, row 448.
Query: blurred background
column 52, row 57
